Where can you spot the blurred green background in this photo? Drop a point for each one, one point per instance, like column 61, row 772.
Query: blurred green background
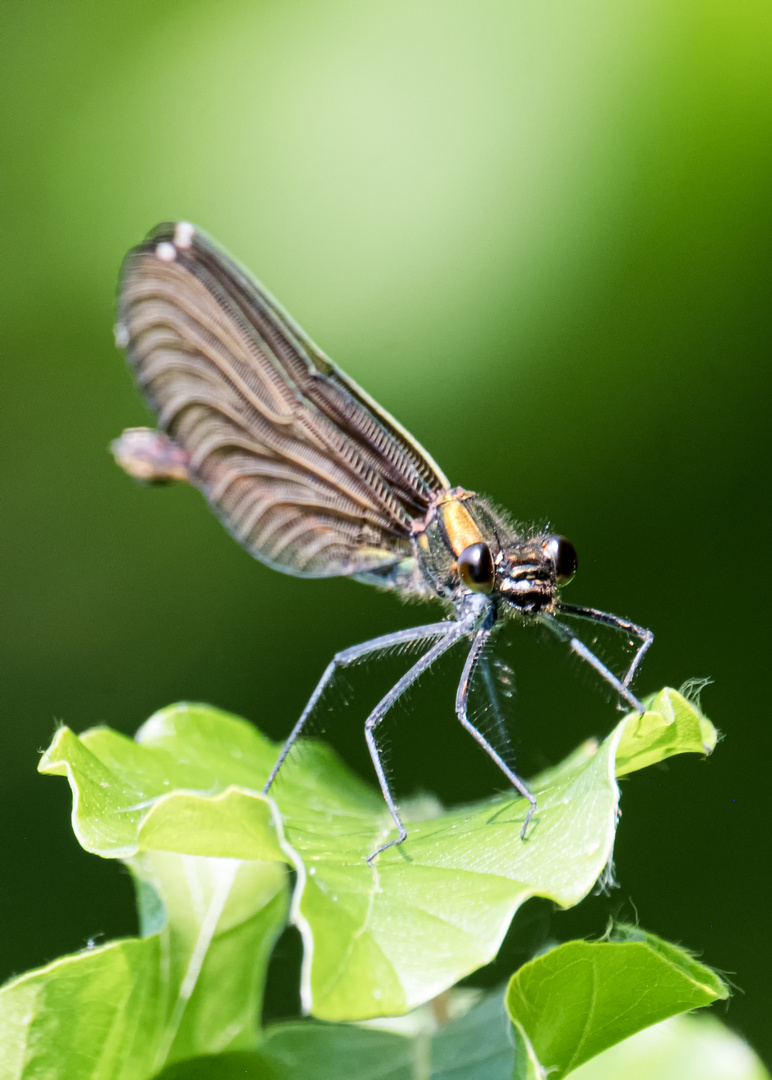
column 539, row 234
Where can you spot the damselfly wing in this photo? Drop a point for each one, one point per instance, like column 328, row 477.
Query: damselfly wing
column 315, row 479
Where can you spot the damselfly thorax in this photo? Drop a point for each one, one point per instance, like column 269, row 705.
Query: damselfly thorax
column 315, row 479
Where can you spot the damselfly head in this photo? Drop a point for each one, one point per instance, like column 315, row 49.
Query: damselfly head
column 465, row 545
column 533, row 570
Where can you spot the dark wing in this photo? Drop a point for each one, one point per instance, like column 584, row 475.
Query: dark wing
column 299, row 463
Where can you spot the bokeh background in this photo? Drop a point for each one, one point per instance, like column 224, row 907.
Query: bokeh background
column 539, row 234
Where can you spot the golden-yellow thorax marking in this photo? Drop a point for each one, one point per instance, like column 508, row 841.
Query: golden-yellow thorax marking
column 457, row 523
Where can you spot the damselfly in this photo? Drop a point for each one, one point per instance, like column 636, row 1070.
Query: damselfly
column 316, row 479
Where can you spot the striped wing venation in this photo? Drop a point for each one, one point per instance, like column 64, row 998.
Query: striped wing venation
column 303, row 468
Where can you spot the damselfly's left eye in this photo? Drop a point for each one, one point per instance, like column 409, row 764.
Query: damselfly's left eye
column 563, row 555
column 476, row 569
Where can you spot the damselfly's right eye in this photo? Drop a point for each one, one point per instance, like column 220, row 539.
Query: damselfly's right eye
column 476, row 569
column 563, row 555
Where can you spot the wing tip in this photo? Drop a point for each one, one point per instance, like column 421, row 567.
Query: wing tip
column 171, row 237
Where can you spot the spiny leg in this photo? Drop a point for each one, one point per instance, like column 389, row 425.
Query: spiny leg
column 462, row 697
column 623, row 625
column 577, row 646
column 343, row 659
column 453, row 633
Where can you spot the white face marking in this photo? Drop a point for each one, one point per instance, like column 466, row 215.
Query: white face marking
column 183, row 234
column 121, row 335
column 165, row 251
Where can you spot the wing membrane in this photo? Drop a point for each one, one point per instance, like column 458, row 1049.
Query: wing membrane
column 299, row 463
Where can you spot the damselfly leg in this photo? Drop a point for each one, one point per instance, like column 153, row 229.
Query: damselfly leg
column 623, row 625
column 344, row 659
column 447, row 632
column 454, row 631
column 462, row 698
column 592, row 615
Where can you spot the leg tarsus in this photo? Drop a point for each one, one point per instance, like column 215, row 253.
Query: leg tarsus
column 531, row 811
column 391, row 843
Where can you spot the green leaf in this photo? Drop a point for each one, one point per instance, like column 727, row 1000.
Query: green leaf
column 671, row 725
column 684, row 1048
column 579, row 999
column 378, row 940
column 474, row 1045
column 122, row 1011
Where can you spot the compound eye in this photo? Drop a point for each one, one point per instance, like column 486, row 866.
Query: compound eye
column 476, row 569
column 563, row 555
